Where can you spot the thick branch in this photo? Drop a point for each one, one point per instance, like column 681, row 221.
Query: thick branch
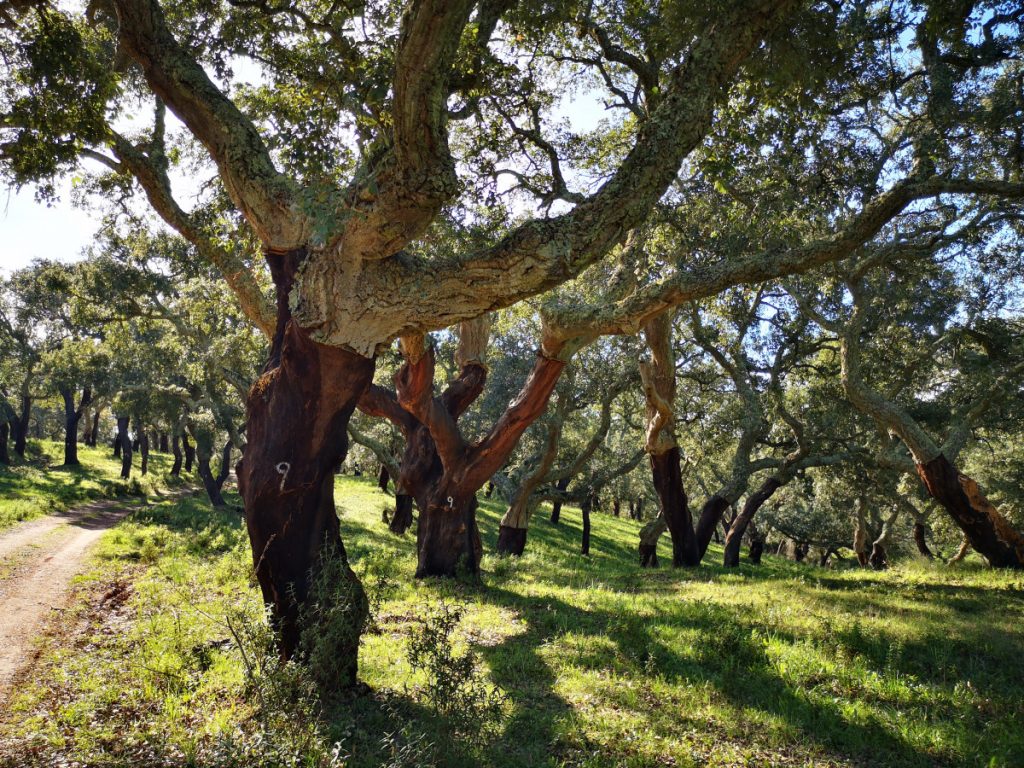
column 704, row 280
column 237, row 275
column 418, row 176
column 490, row 453
column 264, row 195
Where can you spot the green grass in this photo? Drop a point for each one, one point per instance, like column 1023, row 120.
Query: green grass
column 603, row 664
column 41, row 486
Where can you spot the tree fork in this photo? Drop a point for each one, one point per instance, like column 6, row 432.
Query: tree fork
column 741, row 522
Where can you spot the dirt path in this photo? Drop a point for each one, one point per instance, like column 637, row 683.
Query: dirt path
column 38, row 560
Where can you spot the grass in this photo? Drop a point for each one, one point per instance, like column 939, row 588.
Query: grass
column 602, row 664
column 38, row 486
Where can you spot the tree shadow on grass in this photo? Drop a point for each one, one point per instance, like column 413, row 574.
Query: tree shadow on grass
column 731, row 660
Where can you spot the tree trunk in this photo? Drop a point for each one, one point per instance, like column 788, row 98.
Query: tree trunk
column 640, row 508
column 741, row 522
column 757, row 544
column 209, row 481
column 297, row 416
column 225, row 467
column 94, row 431
column 447, row 537
column 176, row 450
column 668, row 484
column 117, row 445
column 489, row 490
column 649, row 536
column 125, row 444
column 710, row 516
column 800, row 552
column 511, row 541
column 556, row 505
column 190, row 452
column 988, row 532
column 879, row 558
column 163, row 443
column 921, row 541
column 143, row 441
column 21, row 425
column 860, row 533
column 515, row 524
column 616, row 507
column 961, row 553
column 5, row 432
column 72, row 416
column 585, row 509
column 382, row 479
column 402, row 520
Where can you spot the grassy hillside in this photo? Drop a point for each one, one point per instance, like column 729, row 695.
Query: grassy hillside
column 40, row 486
column 601, row 664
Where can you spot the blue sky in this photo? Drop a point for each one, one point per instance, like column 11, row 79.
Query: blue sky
column 29, row 229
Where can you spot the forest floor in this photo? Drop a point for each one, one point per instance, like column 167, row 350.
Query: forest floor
column 40, row 556
column 165, row 659
column 38, row 561
column 38, row 486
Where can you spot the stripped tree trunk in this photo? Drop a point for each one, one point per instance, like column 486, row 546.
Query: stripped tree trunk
column 985, row 528
column 297, row 414
column 740, row 523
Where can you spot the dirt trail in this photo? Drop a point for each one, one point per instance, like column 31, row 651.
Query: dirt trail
column 38, row 560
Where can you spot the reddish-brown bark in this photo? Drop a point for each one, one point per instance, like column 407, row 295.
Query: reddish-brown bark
column 440, row 469
column 985, row 528
column 297, row 415
column 741, row 522
column 666, row 473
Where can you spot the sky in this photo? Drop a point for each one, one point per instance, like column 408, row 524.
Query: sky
column 29, row 229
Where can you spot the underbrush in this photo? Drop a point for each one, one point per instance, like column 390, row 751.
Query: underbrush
column 553, row 659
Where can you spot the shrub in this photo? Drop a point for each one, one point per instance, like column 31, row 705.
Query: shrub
column 455, row 688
